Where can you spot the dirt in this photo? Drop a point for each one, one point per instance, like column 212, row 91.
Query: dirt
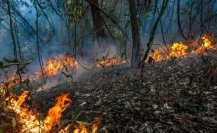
column 174, row 96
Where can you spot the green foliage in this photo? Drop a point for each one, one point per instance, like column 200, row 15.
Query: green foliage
column 116, row 32
column 82, row 123
column 76, row 11
column 127, row 21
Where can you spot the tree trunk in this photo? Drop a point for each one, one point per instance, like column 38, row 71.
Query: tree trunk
column 97, row 19
column 135, row 58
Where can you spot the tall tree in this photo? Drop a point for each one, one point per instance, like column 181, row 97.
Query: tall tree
column 97, row 18
column 135, row 57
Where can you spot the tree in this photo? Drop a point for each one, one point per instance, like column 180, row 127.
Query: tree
column 97, row 18
column 135, row 57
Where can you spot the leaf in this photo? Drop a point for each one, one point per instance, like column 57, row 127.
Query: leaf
column 127, row 21
column 82, row 123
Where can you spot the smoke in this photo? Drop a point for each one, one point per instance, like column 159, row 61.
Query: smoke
column 56, row 39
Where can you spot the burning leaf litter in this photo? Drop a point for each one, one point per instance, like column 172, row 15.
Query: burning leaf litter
column 179, row 50
column 173, row 96
column 56, row 65
column 27, row 121
column 110, row 62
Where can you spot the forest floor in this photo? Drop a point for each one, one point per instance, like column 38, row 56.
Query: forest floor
column 179, row 95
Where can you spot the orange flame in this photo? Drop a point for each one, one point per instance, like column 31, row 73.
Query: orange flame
column 54, row 114
column 56, row 65
column 29, row 122
column 81, row 129
column 11, row 83
column 179, row 50
column 206, row 45
column 53, row 66
column 29, row 119
column 25, row 117
column 108, row 62
column 95, row 126
column 69, row 62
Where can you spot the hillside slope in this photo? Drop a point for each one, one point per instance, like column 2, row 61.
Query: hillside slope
column 174, row 96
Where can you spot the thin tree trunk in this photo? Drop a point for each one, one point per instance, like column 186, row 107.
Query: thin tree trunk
column 135, row 57
column 37, row 40
column 97, row 19
column 14, row 40
column 179, row 21
column 12, row 30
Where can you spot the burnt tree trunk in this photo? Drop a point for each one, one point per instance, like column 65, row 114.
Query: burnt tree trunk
column 97, row 19
column 135, row 57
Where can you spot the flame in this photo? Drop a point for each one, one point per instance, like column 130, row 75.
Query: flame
column 25, row 117
column 81, row 129
column 179, row 50
column 56, row 65
column 108, row 62
column 156, row 55
column 11, row 83
column 29, row 122
column 70, row 62
column 206, row 45
column 95, row 126
column 54, row 114
column 53, row 66
column 28, row 119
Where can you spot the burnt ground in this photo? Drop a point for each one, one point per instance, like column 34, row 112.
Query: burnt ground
column 179, row 95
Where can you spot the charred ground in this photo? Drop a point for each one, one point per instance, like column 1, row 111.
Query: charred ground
column 173, row 96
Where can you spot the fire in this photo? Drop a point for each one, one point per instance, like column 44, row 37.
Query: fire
column 95, row 126
column 53, row 66
column 156, row 55
column 69, row 62
column 206, row 45
column 54, row 114
column 28, row 119
column 56, row 65
column 6, row 87
column 179, row 50
column 83, row 129
column 109, row 62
